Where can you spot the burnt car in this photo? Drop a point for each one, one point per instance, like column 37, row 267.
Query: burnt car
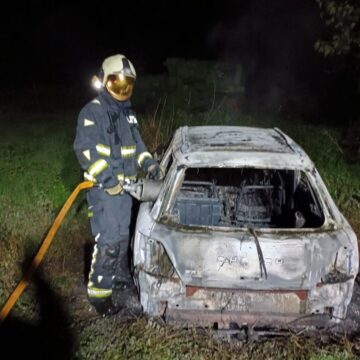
column 242, row 233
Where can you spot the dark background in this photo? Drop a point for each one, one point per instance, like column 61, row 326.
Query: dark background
column 50, row 43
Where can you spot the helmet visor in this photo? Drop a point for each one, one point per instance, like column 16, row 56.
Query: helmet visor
column 120, row 86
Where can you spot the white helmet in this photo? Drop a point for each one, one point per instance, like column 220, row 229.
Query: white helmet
column 117, row 74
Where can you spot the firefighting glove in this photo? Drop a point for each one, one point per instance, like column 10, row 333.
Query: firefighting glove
column 115, row 190
column 154, row 171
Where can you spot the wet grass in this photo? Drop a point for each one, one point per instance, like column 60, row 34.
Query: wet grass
column 38, row 172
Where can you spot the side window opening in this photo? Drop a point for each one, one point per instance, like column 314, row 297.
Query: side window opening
column 167, row 161
column 247, row 197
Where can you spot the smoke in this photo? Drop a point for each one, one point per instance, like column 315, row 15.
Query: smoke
column 274, row 44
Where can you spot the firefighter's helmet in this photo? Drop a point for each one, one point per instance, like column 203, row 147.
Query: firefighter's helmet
column 117, row 75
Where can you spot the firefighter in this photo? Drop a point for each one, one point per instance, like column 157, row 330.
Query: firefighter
column 109, row 148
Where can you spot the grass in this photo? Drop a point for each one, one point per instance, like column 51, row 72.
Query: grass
column 39, row 171
column 111, row 339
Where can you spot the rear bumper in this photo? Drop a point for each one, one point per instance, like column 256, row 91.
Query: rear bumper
column 230, row 319
column 225, row 308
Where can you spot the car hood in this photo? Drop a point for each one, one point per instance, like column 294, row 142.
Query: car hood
column 222, row 259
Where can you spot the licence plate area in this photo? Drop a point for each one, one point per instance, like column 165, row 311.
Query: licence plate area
column 259, row 301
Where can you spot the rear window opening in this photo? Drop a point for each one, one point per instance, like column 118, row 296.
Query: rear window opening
column 247, row 198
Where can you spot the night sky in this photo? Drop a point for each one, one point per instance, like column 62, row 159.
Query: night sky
column 61, row 43
column 55, row 41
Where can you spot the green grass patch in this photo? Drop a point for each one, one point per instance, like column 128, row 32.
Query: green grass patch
column 39, row 170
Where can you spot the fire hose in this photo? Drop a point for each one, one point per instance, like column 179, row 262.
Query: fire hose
column 142, row 190
column 42, row 251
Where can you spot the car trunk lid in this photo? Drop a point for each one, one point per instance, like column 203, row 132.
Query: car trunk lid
column 222, row 259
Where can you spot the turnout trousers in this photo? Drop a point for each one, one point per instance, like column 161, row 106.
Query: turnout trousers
column 110, row 218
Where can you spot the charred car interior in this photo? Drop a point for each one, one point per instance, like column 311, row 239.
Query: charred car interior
column 247, row 197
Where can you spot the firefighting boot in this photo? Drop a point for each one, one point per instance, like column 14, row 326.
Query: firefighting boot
column 100, row 278
column 104, row 306
column 125, row 293
column 123, row 279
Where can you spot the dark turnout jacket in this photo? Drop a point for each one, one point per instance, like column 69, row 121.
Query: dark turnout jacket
column 108, row 143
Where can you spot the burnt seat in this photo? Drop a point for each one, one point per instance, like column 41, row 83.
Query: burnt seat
column 197, row 204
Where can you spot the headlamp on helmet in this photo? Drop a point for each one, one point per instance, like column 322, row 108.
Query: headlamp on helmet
column 96, row 82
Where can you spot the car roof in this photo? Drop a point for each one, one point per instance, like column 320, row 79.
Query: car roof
column 237, row 146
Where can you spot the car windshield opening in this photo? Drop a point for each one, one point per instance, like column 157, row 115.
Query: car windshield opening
column 247, row 197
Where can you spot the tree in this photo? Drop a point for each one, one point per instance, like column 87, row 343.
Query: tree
column 342, row 39
column 342, row 35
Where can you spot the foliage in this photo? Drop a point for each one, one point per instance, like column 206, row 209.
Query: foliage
column 191, row 85
column 342, row 19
